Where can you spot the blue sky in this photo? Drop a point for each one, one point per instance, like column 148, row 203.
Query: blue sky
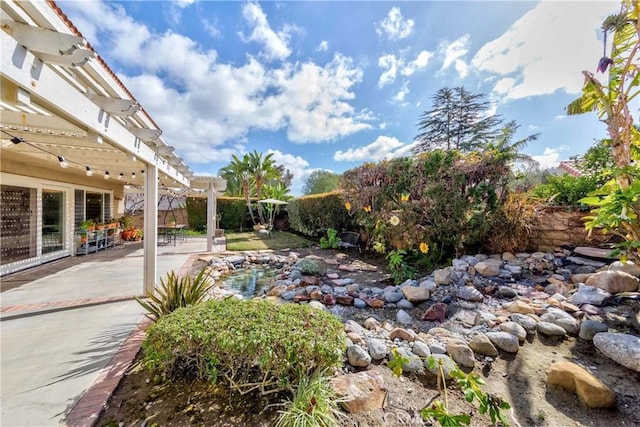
column 330, row 85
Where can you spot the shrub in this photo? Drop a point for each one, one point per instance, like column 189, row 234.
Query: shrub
column 232, row 210
column 176, row 292
column 307, row 266
column 250, row 344
column 331, row 240
column 512, row 224
column 314, row 404
column 313, row 215
column 565, row 190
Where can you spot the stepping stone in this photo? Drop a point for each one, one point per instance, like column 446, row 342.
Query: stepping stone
column 593, row 252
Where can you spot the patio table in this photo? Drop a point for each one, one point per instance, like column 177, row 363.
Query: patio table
column 170, row 233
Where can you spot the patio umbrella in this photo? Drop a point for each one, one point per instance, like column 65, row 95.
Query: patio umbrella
column 274, row 202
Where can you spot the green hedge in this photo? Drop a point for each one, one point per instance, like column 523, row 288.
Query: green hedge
column 233, row 211
column 313, row 215
column 244, row 342
column 565, row 190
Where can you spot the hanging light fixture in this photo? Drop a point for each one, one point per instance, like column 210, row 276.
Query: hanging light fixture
column 106, row 175
column 63, row 162
column 89, row 172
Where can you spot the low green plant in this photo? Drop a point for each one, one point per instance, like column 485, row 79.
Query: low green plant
column 397, row 362
column 400, row 270
column 312, row 267
column 251, row 345
column 86, row 224
column 469, row 384
column 176, row 292
column 565, row 190
column 331, row 240
column 314, row 404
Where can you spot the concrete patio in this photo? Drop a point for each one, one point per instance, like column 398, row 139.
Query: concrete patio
column 61, row 324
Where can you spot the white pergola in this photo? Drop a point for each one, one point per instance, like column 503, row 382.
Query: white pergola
column 62, row 100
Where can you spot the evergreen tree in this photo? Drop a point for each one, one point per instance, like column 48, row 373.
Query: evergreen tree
column 457, row 120
column 321, row 181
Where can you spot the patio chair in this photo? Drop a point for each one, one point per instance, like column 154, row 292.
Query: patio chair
column 349, row 240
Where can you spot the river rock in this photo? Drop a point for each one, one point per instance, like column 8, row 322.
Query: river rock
column 353, row 326
column 345, row 300
column 564, row 319
column 469, row 293
column 520, row 307
column 428, row 285
column 420, row 349
column 374, row 302
column 527, row 322
column 623, row 348
column 402, row 334
column 448, row 365
column 377, row 348
column 317, row 305
column 506, row 292
column 626, row 267
column 360, row 392
column 551, row 329
column 404, row 303
column 436, row 313
column 414, row 364
column 588, row 329
column 484, row 318
column 487, row 268
column 481, row 344
column 358, row 356
column 575, row 379
column 504, row 341
column 403, row 318
column 614, row 281
column 392, row 297
column 589, row 295
column 461, row 353
column 444, row 276
column 359, row 303
column 514, row 329
column 415, row 294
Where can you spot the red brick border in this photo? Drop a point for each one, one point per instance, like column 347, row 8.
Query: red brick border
column 87, row 410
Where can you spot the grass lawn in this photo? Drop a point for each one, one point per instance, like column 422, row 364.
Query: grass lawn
column 251, row 241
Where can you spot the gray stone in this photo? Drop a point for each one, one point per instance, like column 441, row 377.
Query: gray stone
column 428, row 285
column 377, row 348
column 358, row 356
column 589, row 295
column 626, row 267
column 403, row 318
column 444, row 276
column 514, row 329
column 614, row 281
column 504, row 341
column 403, row 303
column 461, row 353
column 507, row 292
column 585, row 261
column 358, row 303
column 623, row 348
column 392, row 296
column 288, row 295
column 353, row 326
column 415, row 294
column 317, row 305
column 469, row 293
column 360, row 392
column 588, row 329
column 460, row 265
column 471, row 260
column 437, row 348
column 447, row 363
column 481, row 344
column 371, row 323
column 414, row 364
column 484, row 318
column 527, row 322
column 421, row 349
column 551, row 329
column 487, row 269
column 564, row 319
column 516, row 270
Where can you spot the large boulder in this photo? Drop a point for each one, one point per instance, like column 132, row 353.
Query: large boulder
column 623, row 348
column 461, row 353
column 590, row 390
column 481, row 344
column 626, row 267
column 360, row 392
column 488, row 268
column 504, row 341
column 415, row 293
column 614, row 281
column 590, row 295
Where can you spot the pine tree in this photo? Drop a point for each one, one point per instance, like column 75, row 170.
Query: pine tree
column 457, row 120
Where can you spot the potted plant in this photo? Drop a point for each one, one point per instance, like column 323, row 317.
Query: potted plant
column 83, row 237
column 128, row 230
column 87, row 225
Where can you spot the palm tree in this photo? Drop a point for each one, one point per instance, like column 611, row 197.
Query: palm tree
column 261, row 169
column 238, row 173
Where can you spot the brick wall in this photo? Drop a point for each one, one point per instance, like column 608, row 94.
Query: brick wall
column 559, row 226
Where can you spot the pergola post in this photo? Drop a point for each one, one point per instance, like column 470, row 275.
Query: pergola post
column 211, row 214
column 150, row 228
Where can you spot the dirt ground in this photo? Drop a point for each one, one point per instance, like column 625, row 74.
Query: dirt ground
column 520, row 379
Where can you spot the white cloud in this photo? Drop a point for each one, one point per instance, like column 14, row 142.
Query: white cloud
column 384, row 147
column 184, row 3
column 546, row 49
column 560, row 117
column 275, row 44
column 298, row 166
column 550, row 158
column 454, row 53
column 176, row 78
column 399, row 97
column 533, row 128
column 394, row 66
column 210, row 27
column 394, row 26
column 323, row 46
